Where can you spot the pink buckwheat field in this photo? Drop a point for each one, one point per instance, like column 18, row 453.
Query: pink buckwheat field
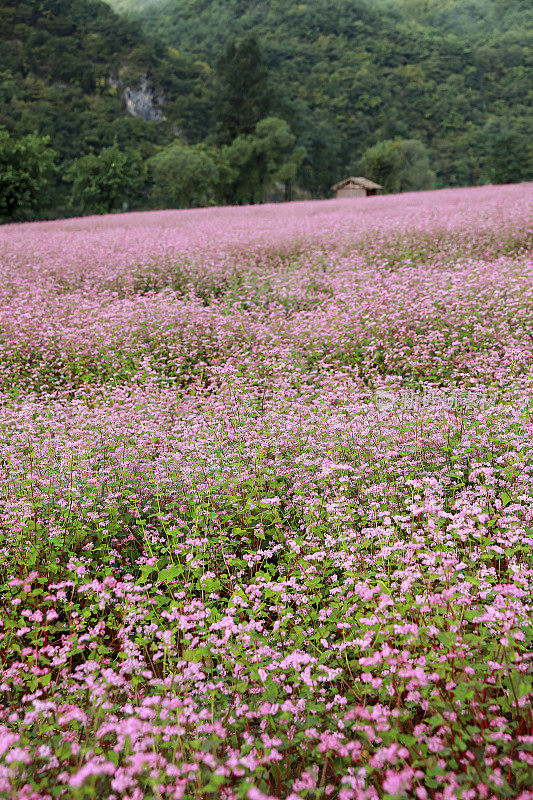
column 267, row 518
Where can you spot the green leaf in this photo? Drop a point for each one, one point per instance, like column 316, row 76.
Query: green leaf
column 463, row 691
column 504, row 497
column 215, row 781
column 445, row 638
column 195, row 655
column 436, row 720
column 170, row 573
column 271, row 690
column 146, row 571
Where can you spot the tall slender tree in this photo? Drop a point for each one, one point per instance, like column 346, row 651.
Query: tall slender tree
column 242, row 92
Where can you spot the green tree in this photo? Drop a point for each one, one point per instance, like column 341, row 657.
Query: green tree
column 242, row 94
column 415, row 173
column 511, row 158
column 102, row 181
column 322, row 162
column 344, row 74
column 26, row 174
column 184, row 176
column 399, row 165
column 243, row 179
column 392, row 69
column 260, row 160
column 278, row 155
column 383, row 163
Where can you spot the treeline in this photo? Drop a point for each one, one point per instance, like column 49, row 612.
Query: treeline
column 250, row 156
column 411, row 94
column 455, row 75
column 178, row 176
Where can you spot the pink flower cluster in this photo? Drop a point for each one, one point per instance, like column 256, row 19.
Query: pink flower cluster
column 267, row 518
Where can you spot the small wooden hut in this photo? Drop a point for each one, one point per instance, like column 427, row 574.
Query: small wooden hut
column 355, row 187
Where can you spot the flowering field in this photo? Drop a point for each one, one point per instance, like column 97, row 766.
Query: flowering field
column 267, row 502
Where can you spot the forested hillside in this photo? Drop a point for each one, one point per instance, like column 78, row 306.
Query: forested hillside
column 262, row 100
column 66, row 67
column 455, row 75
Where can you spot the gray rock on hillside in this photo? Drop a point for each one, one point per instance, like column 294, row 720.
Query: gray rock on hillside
column 143, row 102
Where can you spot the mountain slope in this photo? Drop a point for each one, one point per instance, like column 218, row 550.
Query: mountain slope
column 455, row 75
column 466, row 18
column 67, row 68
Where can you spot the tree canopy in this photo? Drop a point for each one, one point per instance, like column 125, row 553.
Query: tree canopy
column 241, row 92
column 455, row 75
column 259, row 160
column 184, row 176
column 64, row 69
column 102, row 182
column 399, row 165
column 26, row 172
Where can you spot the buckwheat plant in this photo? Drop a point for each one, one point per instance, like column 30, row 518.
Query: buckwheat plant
column 266, row 526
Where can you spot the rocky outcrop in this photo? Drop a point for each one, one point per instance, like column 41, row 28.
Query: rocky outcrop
column 143, row 102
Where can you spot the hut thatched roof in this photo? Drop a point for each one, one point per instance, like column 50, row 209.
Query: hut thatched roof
column 364, row 183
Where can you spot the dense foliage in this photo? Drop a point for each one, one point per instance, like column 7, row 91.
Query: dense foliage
column 26, row 173
column 242, row 95
column 350, row 73
column 101, row 182
column 266, row 526
column 259, row 160
column 400, row 165
column 345, row 75
column 64, row 66
column 185, row 176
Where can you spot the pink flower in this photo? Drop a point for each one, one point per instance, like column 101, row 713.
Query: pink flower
column 91, row 768
column 397, row 782
column 255, row 794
